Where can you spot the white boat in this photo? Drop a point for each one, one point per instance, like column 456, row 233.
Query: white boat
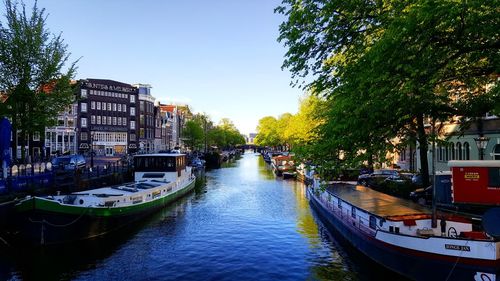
column 159, row 180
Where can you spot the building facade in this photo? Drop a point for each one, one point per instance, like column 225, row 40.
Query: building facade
column 107, row 123
column 146, row 124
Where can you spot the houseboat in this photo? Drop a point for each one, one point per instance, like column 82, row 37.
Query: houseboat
column 283, row 165
column 401, row 235
column 159, row 179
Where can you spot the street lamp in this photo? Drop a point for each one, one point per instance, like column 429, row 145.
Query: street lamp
column 481, row 143
column 92, row 150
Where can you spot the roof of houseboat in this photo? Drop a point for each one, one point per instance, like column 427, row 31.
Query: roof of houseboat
column 375, row 202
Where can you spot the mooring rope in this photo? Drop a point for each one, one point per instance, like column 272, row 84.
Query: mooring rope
column 60, row 225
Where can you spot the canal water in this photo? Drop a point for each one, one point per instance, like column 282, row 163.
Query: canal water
column 242, row 223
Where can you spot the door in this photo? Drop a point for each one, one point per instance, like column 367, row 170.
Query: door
column 109, row 151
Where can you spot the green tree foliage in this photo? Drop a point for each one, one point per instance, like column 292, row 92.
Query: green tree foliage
column 32, row 76
column 388, row 66
column 301, row 129
column 193, row 134
column 296, row 132
column 201, row 130
column 225, row 135
column 267, row 132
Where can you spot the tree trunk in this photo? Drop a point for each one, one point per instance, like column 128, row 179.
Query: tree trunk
column 422, row 140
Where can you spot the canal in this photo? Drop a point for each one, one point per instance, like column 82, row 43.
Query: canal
column 241, row 224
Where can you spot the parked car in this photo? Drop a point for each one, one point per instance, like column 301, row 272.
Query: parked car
column 422, row 195
column 69, row 162
column 374, row 179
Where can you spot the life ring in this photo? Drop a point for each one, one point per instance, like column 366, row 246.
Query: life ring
column 452, row 232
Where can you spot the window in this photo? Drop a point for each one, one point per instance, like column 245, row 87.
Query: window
column 104, row 120
column 92, row 119
column 459, row 151
column 496, row 152
column 141, row 106
column 98, row 120
column 114, row 106
column 109, row 106
column 83, row 136
column 114, row 121
column 494, row 177
column 109, row 120
column 440, row 153
column 353, row 212
column 83, row 107
column 83, row 122
column 98, row 105
column 373, row 222
column 141, row 132
column 132, row 99
column 124, row 108
column 84, row 93
column 92, row 105
column 36, row 136
column 141, row 119
column 447, row 152
column 132, row 137
column 466, row 151
column 103, row 106
column 132, row 125
column 132, row 111
column 452, row 151
column 120, row 107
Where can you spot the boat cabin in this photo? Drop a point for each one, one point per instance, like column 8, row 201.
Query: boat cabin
column 476, row 182
column 161, row 166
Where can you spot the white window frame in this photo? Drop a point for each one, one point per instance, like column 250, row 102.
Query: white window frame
column 83, row 122
column 132, row 124
column 83, row 107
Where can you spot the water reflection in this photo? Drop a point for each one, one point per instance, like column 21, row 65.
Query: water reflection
column 240, row 223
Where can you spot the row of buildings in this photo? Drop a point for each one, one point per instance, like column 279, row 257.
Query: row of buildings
column 480, row 141
column 113, row 118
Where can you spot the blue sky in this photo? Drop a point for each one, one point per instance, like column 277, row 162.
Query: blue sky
column 220, row 56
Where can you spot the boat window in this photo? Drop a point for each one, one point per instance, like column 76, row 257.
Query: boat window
column 155, row 164
column 153, row 175
column 353, row 212
column 494, row 177
column 340, row 204
column 373, row 222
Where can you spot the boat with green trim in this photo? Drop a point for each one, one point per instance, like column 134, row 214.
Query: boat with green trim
column 159, row 179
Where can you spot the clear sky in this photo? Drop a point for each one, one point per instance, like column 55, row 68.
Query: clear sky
column 219, row 56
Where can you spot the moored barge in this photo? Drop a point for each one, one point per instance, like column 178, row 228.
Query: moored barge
column 159, row 180
column 398, row 234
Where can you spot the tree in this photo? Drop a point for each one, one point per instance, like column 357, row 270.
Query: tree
column 193, row 134
column 387, row 66
column 32, row 76
column 267, row 134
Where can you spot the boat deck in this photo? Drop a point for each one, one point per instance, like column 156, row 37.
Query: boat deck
column 378, row 203
column 122, row 189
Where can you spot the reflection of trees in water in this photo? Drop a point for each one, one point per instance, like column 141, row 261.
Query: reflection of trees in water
column 328, row 263
column 265, row 170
